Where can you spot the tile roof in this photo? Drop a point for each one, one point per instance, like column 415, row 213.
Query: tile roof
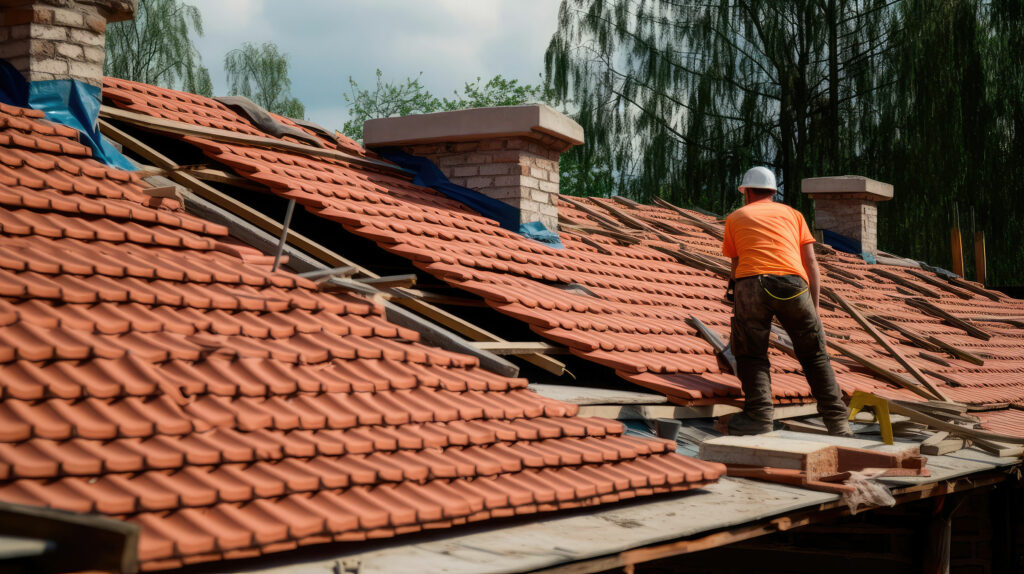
column 155, row 370
column 631, row 315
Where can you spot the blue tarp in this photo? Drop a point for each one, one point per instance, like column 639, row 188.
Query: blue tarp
column 429, row 175
column 68, row 102
column 846, row 245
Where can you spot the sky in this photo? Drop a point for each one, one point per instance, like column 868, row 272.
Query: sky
column 450, row 41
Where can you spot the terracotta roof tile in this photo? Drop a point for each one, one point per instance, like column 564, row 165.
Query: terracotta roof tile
column 632, row 316
column 155, row 370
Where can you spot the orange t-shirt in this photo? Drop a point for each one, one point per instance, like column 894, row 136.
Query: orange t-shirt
column 767, row 237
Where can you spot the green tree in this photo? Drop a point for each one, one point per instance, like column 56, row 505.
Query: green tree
column 260, row 73
column 389, row 99
column 157, row 48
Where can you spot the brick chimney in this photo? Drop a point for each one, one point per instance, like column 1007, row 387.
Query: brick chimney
column 847, row 205
column 509, row 153
column 59, row 39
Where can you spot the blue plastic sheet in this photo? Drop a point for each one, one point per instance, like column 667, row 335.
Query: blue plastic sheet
column 68, row 102
column 429, row 175
column 846, row 245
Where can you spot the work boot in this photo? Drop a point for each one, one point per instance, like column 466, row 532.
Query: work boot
column 743, row 424
column 839, row 427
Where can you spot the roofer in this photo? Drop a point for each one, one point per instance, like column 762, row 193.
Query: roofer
column 776, row 275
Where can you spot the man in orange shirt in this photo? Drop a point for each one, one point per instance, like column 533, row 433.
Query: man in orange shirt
column 776, row 275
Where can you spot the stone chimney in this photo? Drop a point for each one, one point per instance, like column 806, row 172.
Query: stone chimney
column 847, row 205
column 59, row 39
column 509, row 153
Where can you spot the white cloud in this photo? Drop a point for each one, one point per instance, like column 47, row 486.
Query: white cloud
column 449, row 41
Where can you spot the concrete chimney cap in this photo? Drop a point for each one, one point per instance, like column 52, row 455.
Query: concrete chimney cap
column 112, row 10
column 847, row 186
column 472, row 124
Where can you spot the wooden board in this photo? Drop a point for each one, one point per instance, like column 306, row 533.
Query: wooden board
column 968, row 327
column 816, row 459
column 521, row 348
column 882, row 340
column 580, row 395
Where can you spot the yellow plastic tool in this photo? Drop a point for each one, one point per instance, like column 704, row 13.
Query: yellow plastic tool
column 880, row 407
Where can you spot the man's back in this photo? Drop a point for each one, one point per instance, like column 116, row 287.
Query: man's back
column 766, row 237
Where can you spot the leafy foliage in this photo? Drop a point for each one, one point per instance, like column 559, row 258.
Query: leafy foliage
column 260, row 73
column 389, row 99
column 156, row 47
column 679, row 98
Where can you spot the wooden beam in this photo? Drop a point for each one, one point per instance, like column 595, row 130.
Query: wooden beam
column 993, row 295
column 714, row 230
column 882, row 371
column 852, row 310
column 696, row 261
column 957, row 351
column 180, row 128
column 911, row 335
column 406, row 280
column 317, row 251
column 220, row 176
column 521, row 348
column 957, row 322
column 980, row 262
column 957, row 245
column 436, row 298
column 846, row 277
column 815, row 458
column 896, row 278
column 944, row 285
column 939, row 424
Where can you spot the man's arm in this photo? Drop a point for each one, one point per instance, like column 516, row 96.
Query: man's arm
column 811, row 267
column 735, row 264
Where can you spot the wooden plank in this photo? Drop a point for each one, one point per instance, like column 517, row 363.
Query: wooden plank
column 436, row 298
column 957, row 322
column 957, row 245
column 882, row 371
column 957, row 351
column 944, row 285
column 993, row 295
column 935, row 359
column 84, row 542
column 998, row 448
column 220, row 176
column 180, row 128
column 845, row 276
column 935, row 438
column 696, row 261
column 475, row 333
column 816, row 459
column 520, row 348
column 406, row 280
column 581, row 395
column 317, row 251
column 598, row 217
column 980, row 261
column 911, row 335
column 939, row 424
column 882, row 340
column 895, row 278
column 945, row 446
column 716, row 231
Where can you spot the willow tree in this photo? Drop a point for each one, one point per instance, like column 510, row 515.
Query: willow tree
column 681, row 97
column 260, row 73
column 157, row 48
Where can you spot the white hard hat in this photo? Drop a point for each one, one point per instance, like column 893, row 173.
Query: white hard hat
column 760, row 177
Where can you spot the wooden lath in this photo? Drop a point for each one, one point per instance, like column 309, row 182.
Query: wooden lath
column 314, row 249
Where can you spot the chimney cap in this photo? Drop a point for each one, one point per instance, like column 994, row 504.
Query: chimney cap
column 847, row 187
column 472, row 124
column 112, row 10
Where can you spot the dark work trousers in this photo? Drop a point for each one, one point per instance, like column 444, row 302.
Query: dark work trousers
column 758, row 299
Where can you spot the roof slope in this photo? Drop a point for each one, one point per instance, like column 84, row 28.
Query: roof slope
column 631, row 315
column 154, row 370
